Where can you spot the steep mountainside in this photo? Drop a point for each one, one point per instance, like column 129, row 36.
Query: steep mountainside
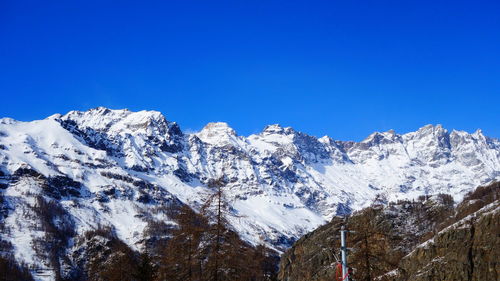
column 468, row 249
column 427, row 239
column 124, row 170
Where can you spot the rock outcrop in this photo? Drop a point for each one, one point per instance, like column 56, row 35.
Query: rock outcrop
column 424, row 240
column 466, row 250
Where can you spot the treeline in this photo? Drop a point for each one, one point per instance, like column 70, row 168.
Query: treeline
column 201, row 248
column 204, row 251
column 10, row 269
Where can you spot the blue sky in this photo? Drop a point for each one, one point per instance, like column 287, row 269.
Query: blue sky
column 338, row 68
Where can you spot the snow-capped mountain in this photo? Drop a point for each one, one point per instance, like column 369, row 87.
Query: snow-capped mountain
column 121, row 169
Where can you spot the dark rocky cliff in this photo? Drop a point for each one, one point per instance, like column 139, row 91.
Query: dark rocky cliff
column 468, row 249
column 424, row 240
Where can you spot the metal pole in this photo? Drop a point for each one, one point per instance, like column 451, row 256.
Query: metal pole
column 344, row 253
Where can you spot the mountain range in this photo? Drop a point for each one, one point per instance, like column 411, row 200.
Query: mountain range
column 123, row 169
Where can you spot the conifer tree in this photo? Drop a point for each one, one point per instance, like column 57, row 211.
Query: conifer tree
column 216, row 209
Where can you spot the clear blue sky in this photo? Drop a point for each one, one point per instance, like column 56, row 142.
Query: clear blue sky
column 342, row 68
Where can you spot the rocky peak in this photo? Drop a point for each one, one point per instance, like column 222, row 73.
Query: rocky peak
column 478, row 135
column 123, row 133
column 150, row 122
column 218, row 127
column 99, row 118
column 217, row 133
column 460, row 137
column 429, row 143
column 336, row 150
column 118, row 121
column 376, row 146
column 278, row 130
column 112, row 130
column 378, row 138
column 432, row 129
column 432, row 133
column 327, row 140
column 310, row 147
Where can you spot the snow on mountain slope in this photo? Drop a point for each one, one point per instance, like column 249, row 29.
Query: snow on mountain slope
column 122, row 169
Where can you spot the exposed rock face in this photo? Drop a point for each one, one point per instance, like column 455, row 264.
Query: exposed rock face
column 311, row 257
column 466, row 250
column 460, row 244
column 400, row 224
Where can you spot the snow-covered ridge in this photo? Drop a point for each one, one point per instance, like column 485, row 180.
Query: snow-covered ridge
column 282, row 183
